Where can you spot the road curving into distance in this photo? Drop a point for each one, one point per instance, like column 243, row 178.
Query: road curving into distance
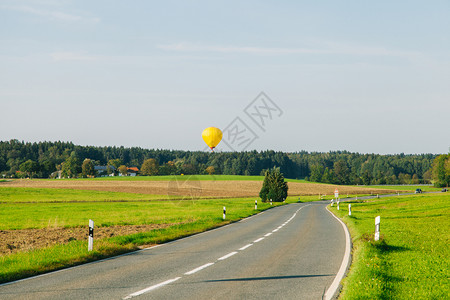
column 293, row 251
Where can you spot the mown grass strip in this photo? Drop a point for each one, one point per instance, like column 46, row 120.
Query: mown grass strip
column 412, row 258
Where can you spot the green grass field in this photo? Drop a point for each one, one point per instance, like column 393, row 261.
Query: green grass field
column 28, row 208
column 412, row 258
column 411, row 261
column 45, row 215
column 31, row 195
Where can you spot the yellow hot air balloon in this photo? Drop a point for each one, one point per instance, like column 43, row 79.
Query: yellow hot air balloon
column 212, row 136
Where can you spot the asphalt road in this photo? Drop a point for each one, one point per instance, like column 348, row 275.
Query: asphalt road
column 289, row 252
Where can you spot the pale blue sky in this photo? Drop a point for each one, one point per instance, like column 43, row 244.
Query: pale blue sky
column 362, row 76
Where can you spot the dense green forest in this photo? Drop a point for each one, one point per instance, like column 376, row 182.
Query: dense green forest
column 22, row 159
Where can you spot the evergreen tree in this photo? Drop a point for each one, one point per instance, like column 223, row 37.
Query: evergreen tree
column 274, row 187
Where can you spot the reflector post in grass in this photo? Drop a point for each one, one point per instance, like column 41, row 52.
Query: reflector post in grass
column 91, row 235
column 224, row 212
column 349, row 209
column 256, row 204
column 377, row 228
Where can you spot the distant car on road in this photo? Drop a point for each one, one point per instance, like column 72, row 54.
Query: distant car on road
column 418, row 191
column 444, row 190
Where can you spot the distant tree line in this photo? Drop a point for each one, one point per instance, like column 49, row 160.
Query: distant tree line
column 41, row 160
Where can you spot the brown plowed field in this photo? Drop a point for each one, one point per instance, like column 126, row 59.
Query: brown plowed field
column 12, row 241
column 213, row 189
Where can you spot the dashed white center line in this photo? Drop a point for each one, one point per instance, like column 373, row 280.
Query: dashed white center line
column 198, row 269
column 228, row 255
column 245, row 247
column 150, row 288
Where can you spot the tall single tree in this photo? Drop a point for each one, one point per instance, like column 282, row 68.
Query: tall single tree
column 274, row 187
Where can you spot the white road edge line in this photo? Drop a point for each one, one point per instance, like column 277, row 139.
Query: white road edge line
column 245, row 247
column 138, row 293
column 275, row 230
column 198, row 269
column 268, row 234
column 228, row 255
column 345, row 262
column 258, row 240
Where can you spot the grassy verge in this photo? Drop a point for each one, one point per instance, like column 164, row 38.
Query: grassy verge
column 412, row 258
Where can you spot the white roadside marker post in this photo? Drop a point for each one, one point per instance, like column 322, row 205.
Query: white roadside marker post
column 336, row 195
column 338, row 204
column 256, row 204
column 377, row 228
column 91, row 235
column 349, row 209
column 332, row 202
column 270, row 201
column 224, row 212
